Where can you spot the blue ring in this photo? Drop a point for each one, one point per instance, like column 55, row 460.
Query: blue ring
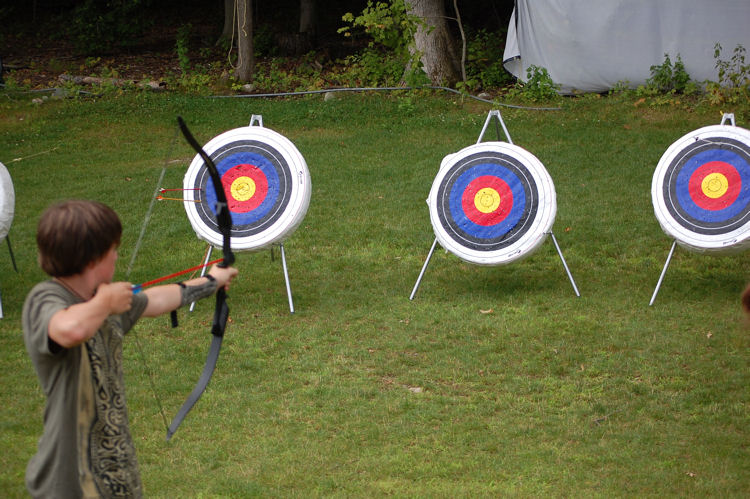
column 460, row 218
column 268, row 170
column 682, row 186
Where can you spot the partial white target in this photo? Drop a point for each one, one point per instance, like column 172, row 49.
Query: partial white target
column 7, row 201
column 701, row 190
column 266, row 181
column 492, row 203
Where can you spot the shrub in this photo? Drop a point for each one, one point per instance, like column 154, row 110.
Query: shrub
column 539, row 85
column 391, row 29
column 484, row 61
column 668, row 77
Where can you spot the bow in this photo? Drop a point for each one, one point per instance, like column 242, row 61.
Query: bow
column 221, row 311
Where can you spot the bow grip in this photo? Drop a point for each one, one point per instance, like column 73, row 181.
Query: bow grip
column 221, row 313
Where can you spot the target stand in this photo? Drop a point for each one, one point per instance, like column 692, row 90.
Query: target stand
column 701, row 191
column 492, row 203
column 268, row 189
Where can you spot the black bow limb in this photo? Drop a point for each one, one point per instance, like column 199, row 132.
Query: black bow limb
column 221, row 311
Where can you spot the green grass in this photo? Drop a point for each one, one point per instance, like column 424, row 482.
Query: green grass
column 494, row 381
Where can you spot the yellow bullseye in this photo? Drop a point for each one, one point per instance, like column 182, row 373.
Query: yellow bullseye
column 243, row 188
column 487, row 200
column 714, row 185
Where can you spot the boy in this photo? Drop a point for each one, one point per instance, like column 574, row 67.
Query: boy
column 73, row 327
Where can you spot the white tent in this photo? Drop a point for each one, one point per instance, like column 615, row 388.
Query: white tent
column 593, row 45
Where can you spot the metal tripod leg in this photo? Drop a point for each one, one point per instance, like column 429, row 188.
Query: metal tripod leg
column 496, row 114
column 286, row 278
column 664, row 271
column 424, row 267
column 10, row 250
column 567, row 270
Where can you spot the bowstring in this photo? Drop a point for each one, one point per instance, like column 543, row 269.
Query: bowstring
column 146, row 220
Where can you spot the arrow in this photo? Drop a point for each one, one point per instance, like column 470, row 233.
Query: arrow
column 162, row 198
column 138, row 287
column 163, row 190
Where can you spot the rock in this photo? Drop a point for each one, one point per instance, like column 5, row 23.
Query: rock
column 60, row 93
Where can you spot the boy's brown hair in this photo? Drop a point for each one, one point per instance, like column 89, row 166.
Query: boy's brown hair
column 73, row 234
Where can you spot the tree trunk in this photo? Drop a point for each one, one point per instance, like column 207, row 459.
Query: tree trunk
column 437, row 46
column 245, row 56
column 307, row 18
column 226, row 32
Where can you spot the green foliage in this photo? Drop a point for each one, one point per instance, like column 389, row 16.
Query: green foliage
column 279, row 75
column 666, row 77
column 391, row 31
column 100, row 25
column 484, row 61
column 735, row 72
column 182, row 46
column 733, row 85
column 196, row 83
column 538, row 86
column 264, row 43
column 372, row 67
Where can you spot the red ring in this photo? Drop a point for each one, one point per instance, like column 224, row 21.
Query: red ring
column 730, row 196
column 261, row 187
column 502, row 211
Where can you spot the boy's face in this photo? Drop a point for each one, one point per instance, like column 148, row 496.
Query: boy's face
column 105, row 268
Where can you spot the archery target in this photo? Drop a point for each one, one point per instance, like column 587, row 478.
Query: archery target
column 7, row 201
column 266, row 181
column 492, row 203
column 701, row 190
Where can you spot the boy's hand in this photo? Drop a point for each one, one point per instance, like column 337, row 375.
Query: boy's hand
column 118, row 296
column 223, row 275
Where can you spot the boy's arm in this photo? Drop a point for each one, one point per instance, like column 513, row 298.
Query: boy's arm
column 168, row 297
column 74, row 325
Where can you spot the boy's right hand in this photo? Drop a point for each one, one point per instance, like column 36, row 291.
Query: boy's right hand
column 118, row 296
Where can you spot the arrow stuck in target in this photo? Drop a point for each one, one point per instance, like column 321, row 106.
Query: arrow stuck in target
column 163, row 198
column 162, row 190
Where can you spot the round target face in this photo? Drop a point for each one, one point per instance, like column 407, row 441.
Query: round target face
column 266, row 182
column 492, row 203
column 701, row 189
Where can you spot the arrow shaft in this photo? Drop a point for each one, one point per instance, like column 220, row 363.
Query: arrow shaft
column 139, row 287
column 162, row 198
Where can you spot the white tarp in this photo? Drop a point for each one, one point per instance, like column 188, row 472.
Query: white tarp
column 593, row 45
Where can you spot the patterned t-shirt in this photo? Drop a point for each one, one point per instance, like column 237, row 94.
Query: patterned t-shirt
column 86, row 449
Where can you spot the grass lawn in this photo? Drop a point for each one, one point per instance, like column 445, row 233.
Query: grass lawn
column 493, row 381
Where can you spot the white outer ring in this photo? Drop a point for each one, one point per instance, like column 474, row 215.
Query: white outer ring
column 729, row 242
column 287, row 221
column 541, row 223
column 7, row 201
